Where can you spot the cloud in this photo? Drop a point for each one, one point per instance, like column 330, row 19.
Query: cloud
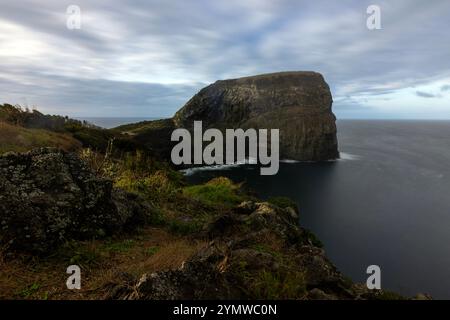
column 153, row 55
column 96, row 97
column 445, row 87
column 425, row 94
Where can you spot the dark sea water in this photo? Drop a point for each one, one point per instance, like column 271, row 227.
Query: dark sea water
column 387, row 202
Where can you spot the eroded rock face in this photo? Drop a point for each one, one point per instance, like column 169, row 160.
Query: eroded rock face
column 297, row 103
column 48, row 196
column 256, row 253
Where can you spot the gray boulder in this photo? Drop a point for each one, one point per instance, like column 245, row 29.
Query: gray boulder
column 48, row 196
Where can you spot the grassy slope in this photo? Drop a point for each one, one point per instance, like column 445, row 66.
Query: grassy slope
column 149, row 250
column 20, row 139
column 142, row 126
column 171, row 238
column 164, row 244
column 174, row 235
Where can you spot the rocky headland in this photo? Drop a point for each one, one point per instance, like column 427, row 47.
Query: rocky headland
column 109, row 201
column 297, row 103
column 145, row 234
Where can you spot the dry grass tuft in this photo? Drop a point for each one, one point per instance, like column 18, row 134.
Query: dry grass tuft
column 101, row 262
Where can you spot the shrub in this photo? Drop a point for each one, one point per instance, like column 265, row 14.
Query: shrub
column 102, row 164
column 156, row 187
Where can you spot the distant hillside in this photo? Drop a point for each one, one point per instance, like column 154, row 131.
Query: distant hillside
column 23, row 129
column 143, row 125
column 34, row 119
column 19, row 139
column 153, row 135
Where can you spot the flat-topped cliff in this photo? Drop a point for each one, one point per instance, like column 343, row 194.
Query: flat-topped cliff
column 297, row 103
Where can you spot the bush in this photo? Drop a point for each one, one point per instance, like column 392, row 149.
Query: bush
column 157, row 187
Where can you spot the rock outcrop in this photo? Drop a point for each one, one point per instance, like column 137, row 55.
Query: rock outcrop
column 297, row 103
column 48, row 196
column 256, row 252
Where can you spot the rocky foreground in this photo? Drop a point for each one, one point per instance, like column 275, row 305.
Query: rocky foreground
column 240, row 248
column 256, row 252
column 48, row 196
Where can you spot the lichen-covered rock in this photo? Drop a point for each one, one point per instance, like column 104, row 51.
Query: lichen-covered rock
column 261, row 255
column 297, row 103
column 48, row 196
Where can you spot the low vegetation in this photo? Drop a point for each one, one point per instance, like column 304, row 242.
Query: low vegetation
column 283, row 202
column 47, row 127
column 19, row 139
column 149, row 250
column 217, row 191
column 163, row 244
column 184, row 219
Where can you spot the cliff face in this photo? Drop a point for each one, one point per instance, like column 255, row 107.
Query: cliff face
column 297, row 103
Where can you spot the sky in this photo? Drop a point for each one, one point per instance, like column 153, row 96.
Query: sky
column 146, row 58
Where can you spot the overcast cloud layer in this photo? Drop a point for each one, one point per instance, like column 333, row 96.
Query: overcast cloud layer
column 147, row 58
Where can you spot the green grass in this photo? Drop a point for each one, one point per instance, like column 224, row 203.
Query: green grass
column 185, row 227
column 283, row 202
column 144, row 125
column 158, row 186
column 29, row 291
column 278, row 285
column 121, row 246
column 20, row 139
column 266, row 249
column 89, row 254
column 151, row 251
column 284, row 283
column 218, row 191
column 311, row 237
column 389, row 295
column 84, row 254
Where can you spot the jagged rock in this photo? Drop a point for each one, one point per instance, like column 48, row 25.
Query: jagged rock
column 248, row 260
column 200, row 278
column 292, row 212
column 245, row 207
column 317, row 294
column 48, row 196
column 297, row 103
column 422, row 296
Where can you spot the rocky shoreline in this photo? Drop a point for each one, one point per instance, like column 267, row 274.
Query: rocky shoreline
column 117, row 208
column 251, row 250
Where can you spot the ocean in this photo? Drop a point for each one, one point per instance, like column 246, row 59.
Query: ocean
column 386, row 202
